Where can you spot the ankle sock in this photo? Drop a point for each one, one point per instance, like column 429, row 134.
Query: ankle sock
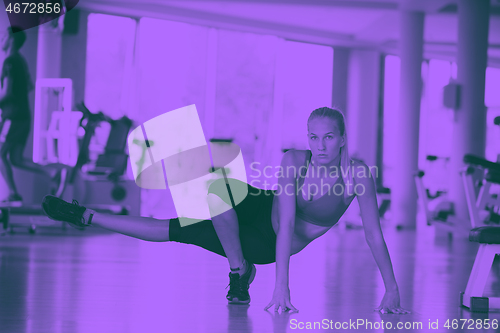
column 240, row 270
column 87, row 216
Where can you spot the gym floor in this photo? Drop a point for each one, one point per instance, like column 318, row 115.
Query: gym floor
column 94, row 281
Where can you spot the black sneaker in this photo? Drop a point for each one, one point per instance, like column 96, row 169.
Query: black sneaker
column 238, row 286
column 60, row 210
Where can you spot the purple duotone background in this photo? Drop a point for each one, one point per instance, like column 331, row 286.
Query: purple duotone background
column 255, row 70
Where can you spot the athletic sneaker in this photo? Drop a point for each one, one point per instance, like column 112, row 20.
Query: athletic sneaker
column 13, row 200
column 60, row 210
column 238, row 285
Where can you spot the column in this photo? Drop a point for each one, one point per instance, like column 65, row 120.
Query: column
column 340, row 74
column 363, row 104
column 469, row 131
column 74, row 55
column 49, row 49
column 403, row 192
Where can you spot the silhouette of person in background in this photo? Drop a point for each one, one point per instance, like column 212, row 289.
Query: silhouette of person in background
column 15, row 85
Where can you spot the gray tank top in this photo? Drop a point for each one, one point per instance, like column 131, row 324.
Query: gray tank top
column 325, row 211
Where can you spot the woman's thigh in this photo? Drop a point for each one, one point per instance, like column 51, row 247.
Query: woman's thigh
column 257, row 237
column 257, row 246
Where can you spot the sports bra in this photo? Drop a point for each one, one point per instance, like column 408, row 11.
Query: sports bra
column 325, row 211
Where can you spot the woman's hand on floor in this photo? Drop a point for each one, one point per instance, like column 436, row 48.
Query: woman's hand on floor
column 390, row 304
column 281, row 299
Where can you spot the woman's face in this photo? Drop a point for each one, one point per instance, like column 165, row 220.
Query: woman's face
column 324, row 139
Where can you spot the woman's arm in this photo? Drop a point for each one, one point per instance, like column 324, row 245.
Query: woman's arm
column 286, row 225
column 367, row 199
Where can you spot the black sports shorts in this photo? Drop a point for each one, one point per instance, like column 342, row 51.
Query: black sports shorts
column 257, row 237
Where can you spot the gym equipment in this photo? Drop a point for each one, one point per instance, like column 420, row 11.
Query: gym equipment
column 26, row 216
column 55, row 124
column 489, row 240
column 438, row 210
column 436, row 206
column 483, row 203
column 384, row 200
column 353, row 220
column 109, row 166
column 483, row 206
column 484, row 209
column 54, row 141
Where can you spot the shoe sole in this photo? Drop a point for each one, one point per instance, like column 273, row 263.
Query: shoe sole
column 250, row 280
column 236, row 301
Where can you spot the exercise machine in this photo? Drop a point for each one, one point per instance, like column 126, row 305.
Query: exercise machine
column 384, row 200
column 489, row 246
column 482, row 203
column 483, row 206
column 479, row 178
column 109, row 166
column 488, row 237
column 54, row 141
column 436, row 205
column 487, row 190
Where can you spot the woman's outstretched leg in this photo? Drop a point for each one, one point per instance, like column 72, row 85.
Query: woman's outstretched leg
column 224, row 222
column 145, row 228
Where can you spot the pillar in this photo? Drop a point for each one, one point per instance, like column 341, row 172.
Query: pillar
column 74, row 54
column 362, row 105
column 49, row 50
column 340, row 74
column 403, row 192
column 469, row 128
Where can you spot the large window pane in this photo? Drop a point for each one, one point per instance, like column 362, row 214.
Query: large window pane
column 110, row 47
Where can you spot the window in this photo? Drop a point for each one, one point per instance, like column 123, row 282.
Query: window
column 110, row 49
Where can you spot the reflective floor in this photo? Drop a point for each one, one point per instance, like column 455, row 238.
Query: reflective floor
column 92, row 281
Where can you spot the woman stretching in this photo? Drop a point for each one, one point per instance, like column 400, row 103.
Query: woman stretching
column 270, row 226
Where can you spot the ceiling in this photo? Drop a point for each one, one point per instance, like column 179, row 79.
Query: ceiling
column 372, row 24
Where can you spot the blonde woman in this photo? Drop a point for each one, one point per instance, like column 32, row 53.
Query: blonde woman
column 315, row 187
